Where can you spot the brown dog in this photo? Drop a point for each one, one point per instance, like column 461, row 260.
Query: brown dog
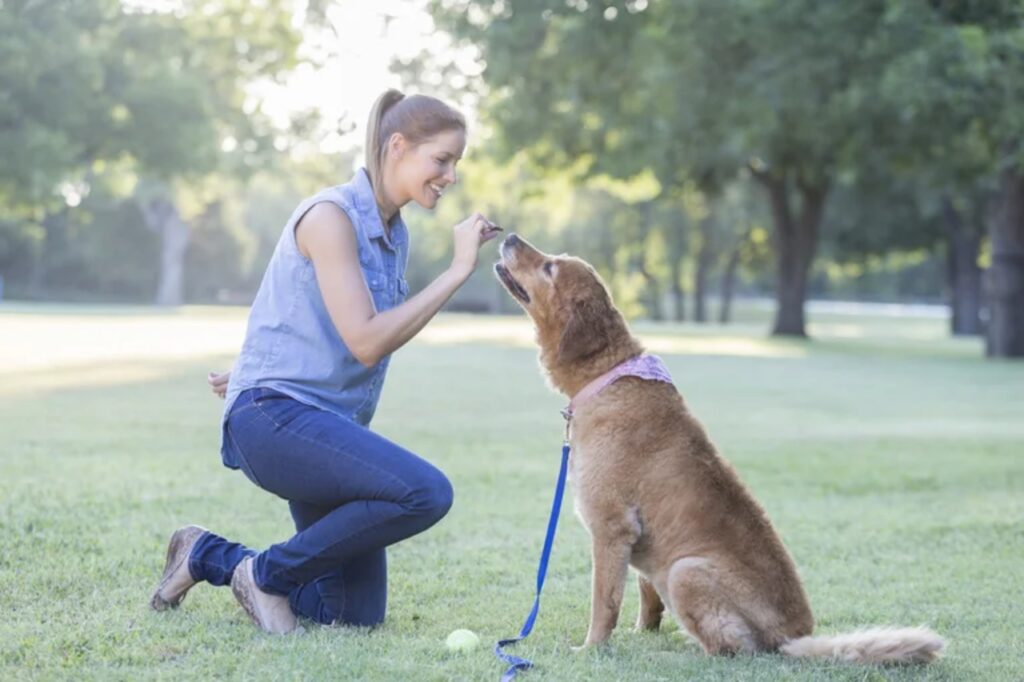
column 654, row 493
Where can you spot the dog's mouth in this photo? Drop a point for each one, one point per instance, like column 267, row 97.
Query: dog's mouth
column 514, row 287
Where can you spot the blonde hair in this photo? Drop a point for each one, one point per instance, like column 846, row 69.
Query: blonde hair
column 416, row 117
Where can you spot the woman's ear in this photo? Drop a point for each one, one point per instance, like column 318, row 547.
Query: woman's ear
column 397, row 145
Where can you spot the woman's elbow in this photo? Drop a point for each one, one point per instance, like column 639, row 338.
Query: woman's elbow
column 367, row 361
column 365, row 355
column 362, row 344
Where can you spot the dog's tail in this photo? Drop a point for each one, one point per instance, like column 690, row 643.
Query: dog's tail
column 873, row 645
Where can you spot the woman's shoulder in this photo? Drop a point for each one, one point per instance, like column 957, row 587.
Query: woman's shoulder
column 325, row 216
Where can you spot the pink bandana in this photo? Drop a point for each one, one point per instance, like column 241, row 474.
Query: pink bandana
column 644, row 366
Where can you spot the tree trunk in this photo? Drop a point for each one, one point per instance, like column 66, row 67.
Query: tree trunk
column 676, row 238
column 705, row 257
column 162, row 217
column 653, row 297
column 964, row 273
column 729, row 278
column 1005, row 277
column 678, row 298
column 54, row 249
column 796, row 240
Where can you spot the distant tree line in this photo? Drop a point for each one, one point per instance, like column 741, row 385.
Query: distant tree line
column 691, row 150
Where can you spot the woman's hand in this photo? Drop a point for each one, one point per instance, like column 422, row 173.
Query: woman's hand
column 469, row 235
column 218, row 382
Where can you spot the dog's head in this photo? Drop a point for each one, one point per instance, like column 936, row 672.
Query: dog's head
column 567, row 301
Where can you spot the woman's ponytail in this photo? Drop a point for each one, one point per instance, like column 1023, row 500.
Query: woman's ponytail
column 374, row 142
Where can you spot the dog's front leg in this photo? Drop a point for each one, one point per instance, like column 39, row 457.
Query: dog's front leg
column 611, row 562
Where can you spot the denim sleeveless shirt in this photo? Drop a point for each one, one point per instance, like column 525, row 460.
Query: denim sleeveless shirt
column 291, row 344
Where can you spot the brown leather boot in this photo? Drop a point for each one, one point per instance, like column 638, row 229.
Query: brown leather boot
column 270, row 612
column 176, row 580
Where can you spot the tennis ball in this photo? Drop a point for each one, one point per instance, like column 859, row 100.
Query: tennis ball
column 462, row 640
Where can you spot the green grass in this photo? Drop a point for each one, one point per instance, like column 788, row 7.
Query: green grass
column 890, row 458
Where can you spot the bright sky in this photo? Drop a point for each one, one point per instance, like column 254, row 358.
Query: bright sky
column 357, row 54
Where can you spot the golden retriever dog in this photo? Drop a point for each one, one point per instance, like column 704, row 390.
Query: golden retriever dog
column 654, row 493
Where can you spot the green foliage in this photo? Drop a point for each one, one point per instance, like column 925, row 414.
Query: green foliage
column 52, row 67
column 106, row 97
column 116, row 257
column 895, row 106
column 19, row 243
column 600, row 122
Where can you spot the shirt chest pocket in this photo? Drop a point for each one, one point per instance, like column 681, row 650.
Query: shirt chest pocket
column 382, row 290
column 375, row 280
column 373, row 270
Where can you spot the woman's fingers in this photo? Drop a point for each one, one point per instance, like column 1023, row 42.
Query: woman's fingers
column 489, row 234
column 487, row 229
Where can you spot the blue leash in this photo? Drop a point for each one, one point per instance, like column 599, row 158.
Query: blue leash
column 515, row 662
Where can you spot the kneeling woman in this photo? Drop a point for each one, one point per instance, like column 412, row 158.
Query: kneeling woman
column 330, row 311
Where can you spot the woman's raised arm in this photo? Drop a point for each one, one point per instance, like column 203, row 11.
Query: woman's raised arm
column 325, row 235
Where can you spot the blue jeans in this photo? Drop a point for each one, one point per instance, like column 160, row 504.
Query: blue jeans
column 351, row 494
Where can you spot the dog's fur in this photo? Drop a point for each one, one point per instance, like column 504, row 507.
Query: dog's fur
column 654, row 493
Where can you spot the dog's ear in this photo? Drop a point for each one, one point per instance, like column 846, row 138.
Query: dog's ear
column 587, row 330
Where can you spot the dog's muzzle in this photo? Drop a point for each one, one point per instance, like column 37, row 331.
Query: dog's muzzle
column 514, row 287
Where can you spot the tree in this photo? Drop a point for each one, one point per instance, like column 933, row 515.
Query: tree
column 971, row 71
column 697, row 92
column 1006, row 275
column 92, row 88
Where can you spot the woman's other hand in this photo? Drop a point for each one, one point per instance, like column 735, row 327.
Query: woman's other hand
column 218, row 382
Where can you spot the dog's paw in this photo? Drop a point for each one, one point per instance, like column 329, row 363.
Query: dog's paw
column 590, row 645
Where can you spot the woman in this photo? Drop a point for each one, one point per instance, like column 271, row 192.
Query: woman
column 330, row 311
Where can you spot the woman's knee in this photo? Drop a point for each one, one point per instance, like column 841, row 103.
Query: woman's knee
column 431, row 497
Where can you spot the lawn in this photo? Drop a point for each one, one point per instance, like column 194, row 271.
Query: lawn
column 890, row 458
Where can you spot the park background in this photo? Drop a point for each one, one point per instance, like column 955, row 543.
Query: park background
column 813, row 211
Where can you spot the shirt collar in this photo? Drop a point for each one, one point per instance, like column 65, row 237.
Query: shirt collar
column 366, row 202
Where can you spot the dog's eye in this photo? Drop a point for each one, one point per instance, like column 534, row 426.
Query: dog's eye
column 547, row 268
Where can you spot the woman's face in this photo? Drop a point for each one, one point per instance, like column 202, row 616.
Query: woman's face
column 424, row 171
